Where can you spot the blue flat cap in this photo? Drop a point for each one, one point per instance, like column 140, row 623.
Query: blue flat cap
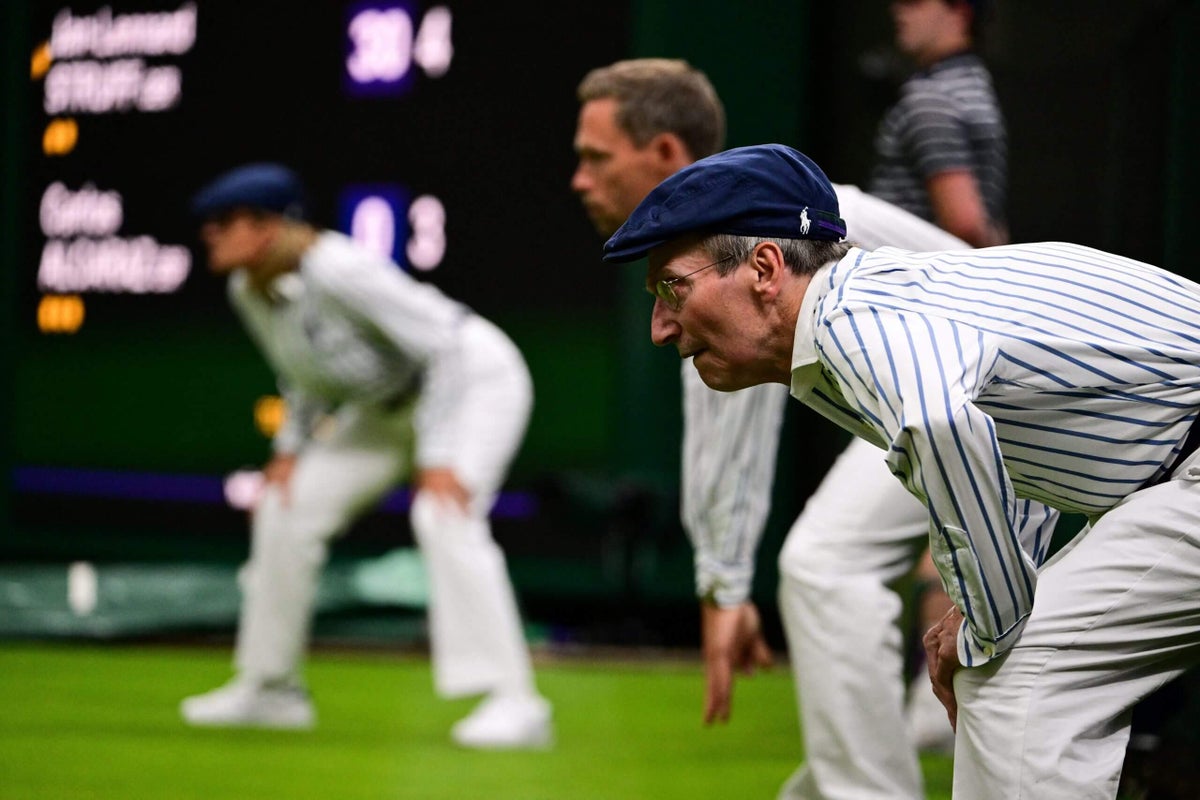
column 766, row 190
column 264, row 186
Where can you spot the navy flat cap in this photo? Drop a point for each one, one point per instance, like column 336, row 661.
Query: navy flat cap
column 264, row 186
column 766, row 190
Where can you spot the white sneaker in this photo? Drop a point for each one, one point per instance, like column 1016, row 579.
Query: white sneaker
column 928, row 724
column 245, row 704
column 506, row 722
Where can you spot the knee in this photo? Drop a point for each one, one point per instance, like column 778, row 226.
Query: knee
column 808, row 558
column 439, row 525
column 288, row 534
column 295, row 517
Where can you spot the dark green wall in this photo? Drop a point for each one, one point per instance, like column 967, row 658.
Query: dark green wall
column 753, row 54
column 1183, row 146
column 14, row 80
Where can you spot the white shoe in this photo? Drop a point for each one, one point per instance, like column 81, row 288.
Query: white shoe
column 506, row 722
column 928, row 724
column 245, row 704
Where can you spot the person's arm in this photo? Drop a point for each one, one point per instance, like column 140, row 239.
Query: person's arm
column 729, row 446
column 872, row 223
column 941, row 640
column 942, row 154
column 730, row 440
column 300, row 409
column 959, row 209
column 913, row 377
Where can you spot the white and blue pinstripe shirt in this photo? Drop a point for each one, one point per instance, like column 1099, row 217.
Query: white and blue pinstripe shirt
column 1050, row 371
column 730, row 439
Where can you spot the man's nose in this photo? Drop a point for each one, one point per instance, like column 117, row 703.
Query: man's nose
column 580, row 181
column 664, row 329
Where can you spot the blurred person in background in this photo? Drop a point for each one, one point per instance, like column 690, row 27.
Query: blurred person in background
column 641, row 121
column 384, row 378
column 941, row 150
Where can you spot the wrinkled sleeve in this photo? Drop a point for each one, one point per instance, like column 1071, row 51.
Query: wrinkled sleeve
column 301, row 409
column 914, row 378
column 730, row 442
column 425, row 325
column 299, row 419
column 873, row 223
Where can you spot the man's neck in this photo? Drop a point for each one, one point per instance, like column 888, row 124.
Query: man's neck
column 784, row 328
column 945, row 49
column 283, row 256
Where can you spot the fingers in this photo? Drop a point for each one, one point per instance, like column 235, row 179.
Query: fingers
column 932, row 654
column 717, row 699
column 941, row 648
column 278, row 473
column 755, row 654
column 762, row 654
column 443, row 484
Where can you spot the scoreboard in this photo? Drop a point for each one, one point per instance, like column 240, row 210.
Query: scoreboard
column 436, row 132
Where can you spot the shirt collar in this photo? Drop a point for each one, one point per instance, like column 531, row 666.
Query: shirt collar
column 805, row 368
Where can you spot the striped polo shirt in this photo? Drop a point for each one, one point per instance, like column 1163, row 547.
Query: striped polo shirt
column 947, row 119
column 1051, row 372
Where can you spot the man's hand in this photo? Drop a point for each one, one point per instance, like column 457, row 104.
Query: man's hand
column 443, row 484
column 941, row 651
column 278, row 471
column 733, row 640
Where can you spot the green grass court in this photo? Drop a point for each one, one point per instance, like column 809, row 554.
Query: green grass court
column 92, row 722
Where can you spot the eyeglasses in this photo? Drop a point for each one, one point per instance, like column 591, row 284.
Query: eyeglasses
column 665, row 289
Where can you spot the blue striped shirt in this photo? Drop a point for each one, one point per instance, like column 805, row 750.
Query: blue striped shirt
column 1050, row 372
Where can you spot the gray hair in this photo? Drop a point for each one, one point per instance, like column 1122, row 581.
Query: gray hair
column 802, row 256
column 660, row 95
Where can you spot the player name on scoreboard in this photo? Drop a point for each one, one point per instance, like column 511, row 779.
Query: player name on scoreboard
column 91, row 65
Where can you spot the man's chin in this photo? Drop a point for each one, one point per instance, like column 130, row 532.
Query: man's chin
column 718, row 379
column 604, row 224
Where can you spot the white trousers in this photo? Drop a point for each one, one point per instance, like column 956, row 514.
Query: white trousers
column 858, row 532
column 1116, row 615
column 476, row 637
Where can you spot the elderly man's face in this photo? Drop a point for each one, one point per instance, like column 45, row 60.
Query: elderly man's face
column 613, row 174
column 719, row 323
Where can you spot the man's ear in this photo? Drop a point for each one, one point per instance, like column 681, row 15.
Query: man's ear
column 671, row 152
column 769, row 269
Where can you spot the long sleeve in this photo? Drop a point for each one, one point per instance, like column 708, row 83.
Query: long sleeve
column 299, row 419
column 730, row 442
column 1047, row 372
column 874, row 223
column 303, row 408
column 416, row 319
column 945, row 450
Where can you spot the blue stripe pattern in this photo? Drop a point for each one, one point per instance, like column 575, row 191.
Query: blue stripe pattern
column 1051, row 372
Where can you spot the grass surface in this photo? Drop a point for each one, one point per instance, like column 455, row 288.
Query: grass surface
column 101, row 722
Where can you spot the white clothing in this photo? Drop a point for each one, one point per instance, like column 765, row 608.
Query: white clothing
column 409, row 379
column 1115, row 618
column 861, row 525
column 731, row 438
column 1051, row 372
column 351, row 325
column 860, row 531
